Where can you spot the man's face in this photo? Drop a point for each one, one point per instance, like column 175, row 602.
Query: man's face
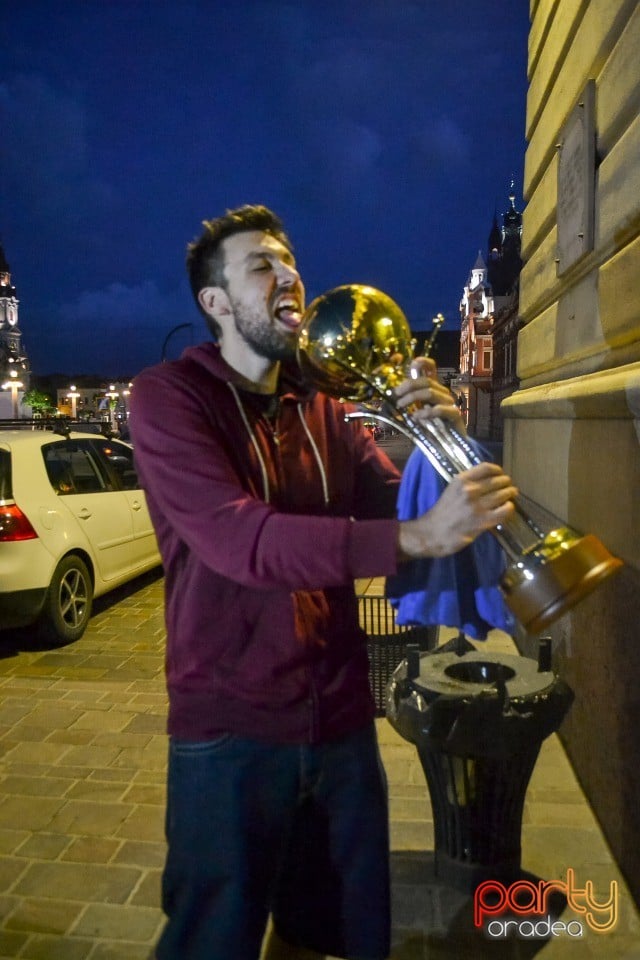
column 265, row 293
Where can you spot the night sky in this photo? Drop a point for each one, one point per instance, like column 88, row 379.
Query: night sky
column 384, row 132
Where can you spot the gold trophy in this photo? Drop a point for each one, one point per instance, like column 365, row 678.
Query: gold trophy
column 355, row 344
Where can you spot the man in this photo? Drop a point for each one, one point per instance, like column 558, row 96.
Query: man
column 267, row 506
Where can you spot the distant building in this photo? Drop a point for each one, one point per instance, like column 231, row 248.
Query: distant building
column 14, row 365
column 90, row 398
column 488, row 328
column 505, row 265
column 505, row 381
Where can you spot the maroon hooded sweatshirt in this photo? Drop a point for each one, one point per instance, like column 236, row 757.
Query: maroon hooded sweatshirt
column 264, row 518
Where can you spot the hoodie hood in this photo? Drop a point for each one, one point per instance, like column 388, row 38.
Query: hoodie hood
column 208, row 356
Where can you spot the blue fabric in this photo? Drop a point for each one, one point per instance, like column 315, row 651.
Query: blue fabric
column 457, row 591
column 300, row 831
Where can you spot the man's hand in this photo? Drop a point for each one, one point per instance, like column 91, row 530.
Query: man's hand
column 474, row 501
column 427, row 398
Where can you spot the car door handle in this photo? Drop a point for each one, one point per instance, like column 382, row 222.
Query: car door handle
column 84, row 514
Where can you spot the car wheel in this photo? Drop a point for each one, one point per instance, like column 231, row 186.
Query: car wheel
column 67, row 607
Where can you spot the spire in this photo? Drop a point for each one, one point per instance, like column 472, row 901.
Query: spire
column 494, row 243
column 479, row 264
column 5, row 269
column 512, row 220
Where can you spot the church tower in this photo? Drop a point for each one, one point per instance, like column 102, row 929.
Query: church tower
column 504, row 246
column 14, row 365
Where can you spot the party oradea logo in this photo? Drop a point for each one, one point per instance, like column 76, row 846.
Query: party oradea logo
column 524, row 909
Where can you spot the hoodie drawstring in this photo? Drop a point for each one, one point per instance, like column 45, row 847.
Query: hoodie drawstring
column 254, row 441
column 314, row 447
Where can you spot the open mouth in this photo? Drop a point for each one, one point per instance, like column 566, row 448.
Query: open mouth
column 289, row 312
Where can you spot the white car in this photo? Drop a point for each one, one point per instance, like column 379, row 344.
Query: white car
column 74, row 524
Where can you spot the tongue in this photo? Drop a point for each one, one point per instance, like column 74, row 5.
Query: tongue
column 290, row 317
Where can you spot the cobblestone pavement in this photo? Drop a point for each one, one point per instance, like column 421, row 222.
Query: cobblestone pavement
column 82, row 766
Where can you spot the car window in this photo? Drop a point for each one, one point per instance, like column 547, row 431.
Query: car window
column 120, row 459
column 73, row 467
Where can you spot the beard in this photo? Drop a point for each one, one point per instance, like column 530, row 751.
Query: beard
column 263, row 337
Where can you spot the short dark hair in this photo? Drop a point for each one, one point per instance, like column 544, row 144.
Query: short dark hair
column 205, row 261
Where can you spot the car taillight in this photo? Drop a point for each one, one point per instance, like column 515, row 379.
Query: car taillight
column 14, row 525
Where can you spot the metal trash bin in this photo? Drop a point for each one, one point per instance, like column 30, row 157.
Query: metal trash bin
column 478, row 721
column 387, row 643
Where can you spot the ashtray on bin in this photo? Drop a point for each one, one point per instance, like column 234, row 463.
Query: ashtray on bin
column 478, row 720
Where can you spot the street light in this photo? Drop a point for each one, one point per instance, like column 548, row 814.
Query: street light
column 73, row 396
column 14, row 385
column 113, row 395
column 125, row 399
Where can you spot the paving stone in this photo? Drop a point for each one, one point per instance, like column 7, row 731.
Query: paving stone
column 91, row 850
column 145, row 793
column 97, row 790
column 411, row 835
column 121, row 951
column 149, row 892
column 79, row 881
column 44, row 916
column 25, row 731
column 84, row 817
column 11, row 942
column 43, row 846
column 147, row 723
column 80, row 701
column 151, row 756
column 145, row 823
column 90, row 755
column 71, row 736
column 559, row 814
column 10, row 840
column 141, row 853
column 56, row 948
column 7, row 905
column 98, row 720
column 35, row 814
column 108, row 922
column 48, row 752
column 409, row 808
column 115, row 774
column 51, row 716
column 15, row 768
column 152, row 776
column 10, row 870
column 35, row 786
column 122, row 739
column 64, row 659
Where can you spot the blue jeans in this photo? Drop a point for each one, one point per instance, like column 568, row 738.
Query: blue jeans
column 299, row 831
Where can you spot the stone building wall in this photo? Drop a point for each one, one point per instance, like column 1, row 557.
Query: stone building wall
column 572, row 430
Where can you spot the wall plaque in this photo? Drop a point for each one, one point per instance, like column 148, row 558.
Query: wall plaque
column 576, row 182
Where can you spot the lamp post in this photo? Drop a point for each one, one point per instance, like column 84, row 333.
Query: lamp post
column 113, row 395
column 73, row 396
column 125, row 399
column 14, row 385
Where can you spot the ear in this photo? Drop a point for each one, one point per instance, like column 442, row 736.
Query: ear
column 215, row 302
